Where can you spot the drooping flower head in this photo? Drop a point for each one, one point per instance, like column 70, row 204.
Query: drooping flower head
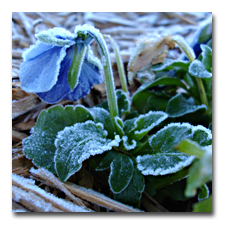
column 60, row 66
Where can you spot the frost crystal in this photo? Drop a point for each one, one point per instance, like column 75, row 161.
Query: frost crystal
column 77, row 143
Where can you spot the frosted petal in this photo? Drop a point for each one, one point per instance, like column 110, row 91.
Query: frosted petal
column 56, row 36
column 40, row 74
column 89, row 76
column 35, row 50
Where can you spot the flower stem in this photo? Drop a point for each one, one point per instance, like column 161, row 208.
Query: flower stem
column 109, row 79
column 191, row 56
column 119, row 65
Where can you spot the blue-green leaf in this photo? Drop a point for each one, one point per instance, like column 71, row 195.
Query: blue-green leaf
column 203, row 206
column 207, row 57
column 138, row 127
column 198, row 69
column 121, row 173
column 106, row 161
column 123, row 103
column 159, row 81
column 203, row 192
column 199, row 173
column 169, row 64
column 39, row 146
column 100, row 115
column 77, row 143
column 131, row 195
column 166, row 159
column 179, row 106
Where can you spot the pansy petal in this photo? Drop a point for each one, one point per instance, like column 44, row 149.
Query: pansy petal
column 61, row 88
column 35, row 50
column 40, row 74
column 56, row 36
column 89, row 76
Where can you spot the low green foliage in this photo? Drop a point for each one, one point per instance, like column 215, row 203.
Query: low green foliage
column 158, row 142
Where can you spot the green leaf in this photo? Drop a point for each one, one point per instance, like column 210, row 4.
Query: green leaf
column 123, row 103
column 76, row 65
column 39, row 146
column 100, row 115
column 77, row 143
column 207, row 57
column 199, row 173
column 159, row 81
column 119, row 126
column 121, row 173
column 202, row 135
column 157, row 102
column 176, row 190
column 106, row 161
column 131, row 195
column 179, row 106
column 197, row 69
column 203, row 206
column 203, row 192
column 166, row 159
column 191, row 148
column 169, row 64
column 138, row 127
column 205, row 32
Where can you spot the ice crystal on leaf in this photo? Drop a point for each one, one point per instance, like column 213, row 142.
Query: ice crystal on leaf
column 165, row 159
column 76, row 143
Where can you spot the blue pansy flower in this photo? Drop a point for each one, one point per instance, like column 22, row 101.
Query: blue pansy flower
column 47, row 63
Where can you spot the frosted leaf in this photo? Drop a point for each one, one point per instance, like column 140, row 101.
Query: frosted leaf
column 106, row 161
column 121, row 173
column 178, row 106
column 202, row 135
column 39, row 146
column 123, row 102
column 101, row 115
column 77, row 143
column 127, row 145
column 139, row 127
column 170, row 64
column 56, row 36
column 203, row 192
column 165, row 158
column 119, row 126
column 197, row 69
